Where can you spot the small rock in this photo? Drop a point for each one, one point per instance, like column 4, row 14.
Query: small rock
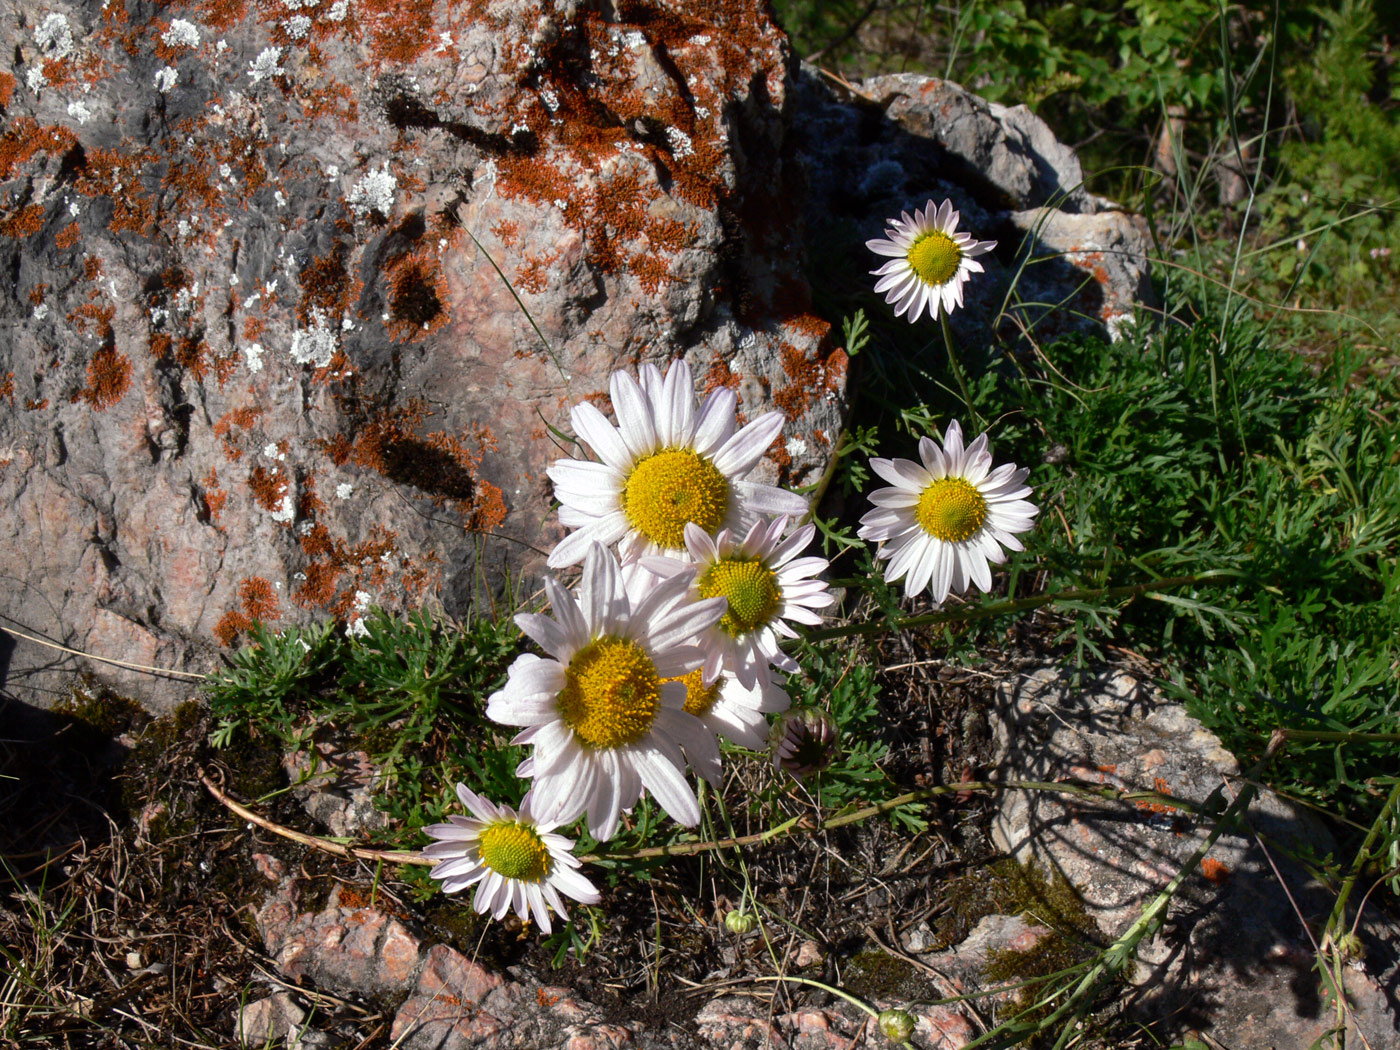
column 276, row 1017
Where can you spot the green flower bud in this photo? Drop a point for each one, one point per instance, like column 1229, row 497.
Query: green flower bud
column 898, row 1025
column 1351, row 946
column 804, row 740
column 740, row 922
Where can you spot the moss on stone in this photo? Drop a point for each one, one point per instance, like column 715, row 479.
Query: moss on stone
column 101, row 710
column 876, row 974
column 1006, row 887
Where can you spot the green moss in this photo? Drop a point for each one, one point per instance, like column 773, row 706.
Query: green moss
column 101, row 710
column 255, row 767
column 456, row 922
column 875, row 974
column 1008, row 888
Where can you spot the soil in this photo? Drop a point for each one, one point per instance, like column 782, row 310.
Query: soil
column 129, row 891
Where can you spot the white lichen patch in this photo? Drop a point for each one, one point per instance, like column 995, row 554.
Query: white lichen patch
column 796, row 447
column 298, row 26
column 35, row 80
column 180, row 33
column 79, row 111
column 315, row 345
column 266, row 65
column 54, row 36
column 338, row 11
column 40, row 312
column 681, row 146
column 186, row 298
column 252, row 357
column 375, row 191
column 166, row 78
column 344, row 490
column 287, row 511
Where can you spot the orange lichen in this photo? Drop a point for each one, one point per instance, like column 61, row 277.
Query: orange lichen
column 441, row 465
column 26, row 222
column 108, row 378
column 259, row 599
column 26, row 137
column 38, row 294
column 253, row 328
column 7, row 388
column 720, row 374
column 7, row 88
column 232, row 624
column 223, row 14
column 331, row 558
column 417, row 292
column 242, row 418
column 91, row 314
column 325, row 286
column 33, row 404
column 214, row 497
column 268, row 487
column 1214, row 871
column 69, row 236
column 398, row 30
column 506, row 231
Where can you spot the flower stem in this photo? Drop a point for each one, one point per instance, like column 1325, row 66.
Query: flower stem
column 956, row 368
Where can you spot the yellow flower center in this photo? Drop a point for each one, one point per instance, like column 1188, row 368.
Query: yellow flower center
column 611, row 693
column 699, row 697
column 670, row 488
column 935, row 257
column 751, row 589
column 514, row 850
column 951, row 509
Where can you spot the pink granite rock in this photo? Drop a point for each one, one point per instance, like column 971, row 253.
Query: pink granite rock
column 299, row 291
column 1233, row 959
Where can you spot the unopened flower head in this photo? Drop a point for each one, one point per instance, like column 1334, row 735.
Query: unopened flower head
column 929, row 261
column 513, row 860
column 804, row 741
column 605, row 713
column 665, row 465
column 898, row 1025
column 765, row 584
column 947, row 518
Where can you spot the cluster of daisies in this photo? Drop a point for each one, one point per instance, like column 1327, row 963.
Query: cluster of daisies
column 691, row 578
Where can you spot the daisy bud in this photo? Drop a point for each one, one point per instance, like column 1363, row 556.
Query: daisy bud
column 898, row 1025
column 804, row 741
column 739, row 922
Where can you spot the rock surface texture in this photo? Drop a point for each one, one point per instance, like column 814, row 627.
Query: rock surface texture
column 302, row 291
column 443, row 1000
column 1234, row 959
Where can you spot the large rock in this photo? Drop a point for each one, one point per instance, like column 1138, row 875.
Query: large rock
column 302, row 292
column 265, row 357
column 1234, row 958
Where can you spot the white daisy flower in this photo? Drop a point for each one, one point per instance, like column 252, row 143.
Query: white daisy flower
column 735, row 711
column 665, row 465
column 765, row 585
column 603, row 718
column 725, row 706
column 929, row 261
column 945, row 521
column 513, row 860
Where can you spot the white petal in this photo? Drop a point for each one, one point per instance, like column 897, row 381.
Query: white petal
column 601, row 436
column 741, row 453
column 634, row 415
column 716, row 421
